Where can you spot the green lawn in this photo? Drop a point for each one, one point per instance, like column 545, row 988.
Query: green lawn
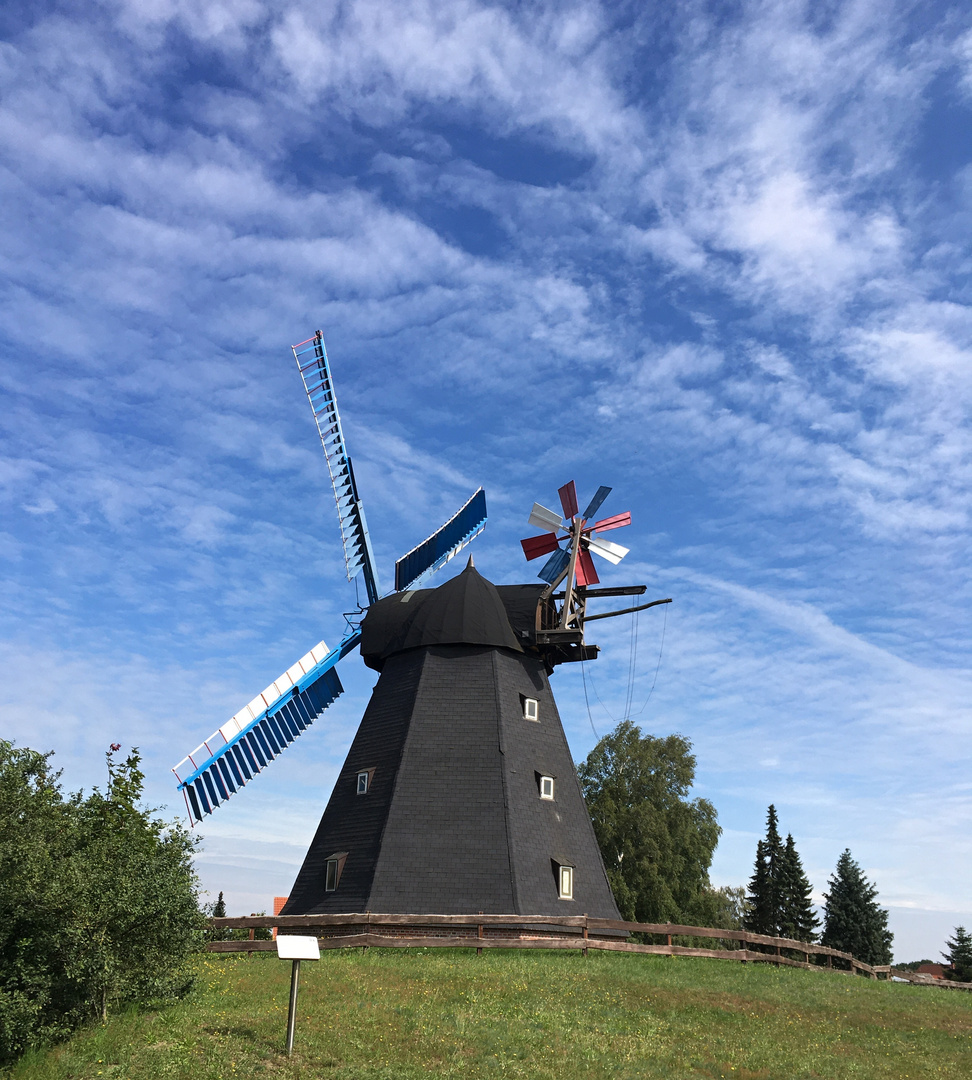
column 390, row 1013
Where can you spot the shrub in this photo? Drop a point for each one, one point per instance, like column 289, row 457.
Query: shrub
column 98, row 900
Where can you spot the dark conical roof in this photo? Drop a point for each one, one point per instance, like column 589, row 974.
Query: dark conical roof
column 466, row 610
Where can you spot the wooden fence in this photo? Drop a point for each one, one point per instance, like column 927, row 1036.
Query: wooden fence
column 553, row 932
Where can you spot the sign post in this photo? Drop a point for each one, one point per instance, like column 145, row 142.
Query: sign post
column 292, row 947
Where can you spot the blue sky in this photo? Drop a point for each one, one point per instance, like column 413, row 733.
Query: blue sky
column 715, row 256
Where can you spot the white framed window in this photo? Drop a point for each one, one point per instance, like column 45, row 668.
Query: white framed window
column 565, row 881
column 332, row 870
column 364, row 782
column 546, row 787
column 531, row 708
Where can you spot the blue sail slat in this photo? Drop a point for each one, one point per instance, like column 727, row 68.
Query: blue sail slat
column 269, row 752
column 279, row 728
column 224, row 771
column 271, row 738
column 210, row 788
column 242, row 765
column 293, row 715
column 254, row 752
column 238, row 775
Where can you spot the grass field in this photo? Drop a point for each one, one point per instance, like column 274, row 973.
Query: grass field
column 388, row 1013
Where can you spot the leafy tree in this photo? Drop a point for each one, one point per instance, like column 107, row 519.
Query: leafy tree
column 797, row 917
column 98, row 901
column 959, row 956
column 764, row 901
column 656, row 843
column 35, row 837
column 728, row 907
column 853, row 922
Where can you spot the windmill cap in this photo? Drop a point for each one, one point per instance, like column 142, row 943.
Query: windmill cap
column 466, row 610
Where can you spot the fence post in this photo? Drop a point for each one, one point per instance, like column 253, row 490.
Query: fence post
column 479, row 950
column 584, row 950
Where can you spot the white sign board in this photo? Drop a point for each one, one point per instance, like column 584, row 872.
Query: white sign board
column 291, row 947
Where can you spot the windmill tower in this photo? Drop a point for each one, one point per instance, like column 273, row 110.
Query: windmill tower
column 459, row 793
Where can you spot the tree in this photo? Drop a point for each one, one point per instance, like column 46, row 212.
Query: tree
column 853, row 922
column 656, row 843
column 219, row 908
column 797, row 917
column 779, row 901
column 764, row 901
column 35, row 835
column 959, row 956
column 98, row 901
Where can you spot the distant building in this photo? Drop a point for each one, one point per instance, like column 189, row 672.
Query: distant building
column 937, row 971
column 278, row 906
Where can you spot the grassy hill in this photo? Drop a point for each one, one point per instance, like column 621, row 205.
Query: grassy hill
column 399, row 1014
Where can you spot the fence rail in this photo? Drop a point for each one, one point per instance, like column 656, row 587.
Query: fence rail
column 369, row 929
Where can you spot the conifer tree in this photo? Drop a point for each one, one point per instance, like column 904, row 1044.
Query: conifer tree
column 763, row 916
column 219, row 908
column 853, row 922
column 797, row 917
column 959, row 956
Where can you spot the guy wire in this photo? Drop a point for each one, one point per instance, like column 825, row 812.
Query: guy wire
column 657, row 666
column 632, row 665
column 586, row 699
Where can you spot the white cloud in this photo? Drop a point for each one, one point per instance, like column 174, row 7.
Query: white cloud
column 730, row 294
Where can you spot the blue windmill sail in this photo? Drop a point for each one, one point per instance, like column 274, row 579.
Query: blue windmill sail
column 247, row 743
column 311, row 357
column 462, row 528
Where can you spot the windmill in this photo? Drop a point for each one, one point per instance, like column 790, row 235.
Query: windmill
column 459, row 792
column 244, row 746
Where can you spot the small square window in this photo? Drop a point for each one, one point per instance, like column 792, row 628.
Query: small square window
column 566, row 880
column 531, row 709
column 546, row 787
column 363, row 780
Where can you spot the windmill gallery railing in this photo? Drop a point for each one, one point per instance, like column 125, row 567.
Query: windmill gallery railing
column 579, row 932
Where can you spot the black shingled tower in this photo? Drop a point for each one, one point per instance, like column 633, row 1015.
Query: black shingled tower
column 452, row 820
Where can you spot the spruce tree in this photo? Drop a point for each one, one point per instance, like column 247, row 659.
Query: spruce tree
column 959, row 956
column 763, row 916
column 219, row 908
column 797, row 917
column 853, row 922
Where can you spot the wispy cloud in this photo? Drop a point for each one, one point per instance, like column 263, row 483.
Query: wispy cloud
column 719, row 260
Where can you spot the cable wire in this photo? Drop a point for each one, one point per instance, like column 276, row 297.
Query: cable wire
column 657, row 666
column 627, row 714
column 587, row 700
